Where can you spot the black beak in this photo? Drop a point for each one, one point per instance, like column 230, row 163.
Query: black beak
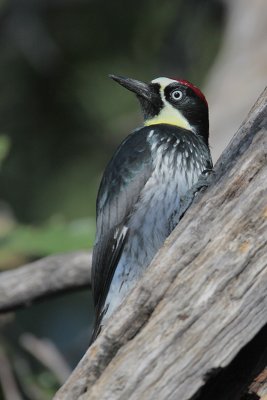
column 141, row 89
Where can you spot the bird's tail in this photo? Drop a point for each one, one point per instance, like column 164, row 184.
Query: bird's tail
column 97, row 326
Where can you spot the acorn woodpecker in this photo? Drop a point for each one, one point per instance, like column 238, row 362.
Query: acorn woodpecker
column 140, row 195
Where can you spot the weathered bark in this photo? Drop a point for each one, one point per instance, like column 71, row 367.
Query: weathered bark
column 204, row 296
column 48, row 276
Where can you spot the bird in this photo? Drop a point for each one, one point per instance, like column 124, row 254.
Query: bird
column 139, row 201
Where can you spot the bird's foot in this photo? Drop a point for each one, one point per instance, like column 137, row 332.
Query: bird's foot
column 203, row 182
column 186, row 201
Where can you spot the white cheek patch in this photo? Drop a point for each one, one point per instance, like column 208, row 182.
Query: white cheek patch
column 169, row 114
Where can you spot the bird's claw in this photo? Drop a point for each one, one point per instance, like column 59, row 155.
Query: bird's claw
column 186, row 201
column 203, row 182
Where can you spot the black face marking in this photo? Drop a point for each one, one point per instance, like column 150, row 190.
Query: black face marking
column 193, row 108
column 151, row 109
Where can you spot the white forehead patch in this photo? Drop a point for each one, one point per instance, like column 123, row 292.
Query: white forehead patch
column 163, row 82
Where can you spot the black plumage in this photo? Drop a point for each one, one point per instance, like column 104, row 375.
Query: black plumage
column 122, row 182
column 140, row 195
column 121, row 190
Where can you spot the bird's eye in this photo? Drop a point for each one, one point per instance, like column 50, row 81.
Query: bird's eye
column 176, row 95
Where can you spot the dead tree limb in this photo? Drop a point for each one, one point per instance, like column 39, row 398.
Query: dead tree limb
column 204, row 296
column 43, row 278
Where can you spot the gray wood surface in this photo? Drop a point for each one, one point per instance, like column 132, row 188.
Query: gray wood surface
column 42, row 278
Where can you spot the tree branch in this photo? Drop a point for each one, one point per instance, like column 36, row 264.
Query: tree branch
column 43, row 278
column 204, row 296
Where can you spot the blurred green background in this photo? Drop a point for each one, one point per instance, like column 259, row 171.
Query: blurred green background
column 61, row 119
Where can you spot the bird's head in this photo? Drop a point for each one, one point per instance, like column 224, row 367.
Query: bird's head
column 171, row 101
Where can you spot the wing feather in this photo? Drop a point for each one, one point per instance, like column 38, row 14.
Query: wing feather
column 122, row 182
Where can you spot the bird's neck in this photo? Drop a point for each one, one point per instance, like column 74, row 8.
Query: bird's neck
column 171, row 116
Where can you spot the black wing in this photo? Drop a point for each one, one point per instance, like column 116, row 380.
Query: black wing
column 122, row 182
